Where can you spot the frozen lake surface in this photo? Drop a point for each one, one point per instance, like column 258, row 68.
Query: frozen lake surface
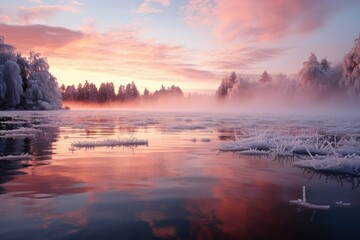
column 172, row 175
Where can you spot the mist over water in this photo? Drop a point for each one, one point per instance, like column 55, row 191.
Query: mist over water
column 178, row 186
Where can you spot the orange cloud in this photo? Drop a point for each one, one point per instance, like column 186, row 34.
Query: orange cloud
column 261, row 20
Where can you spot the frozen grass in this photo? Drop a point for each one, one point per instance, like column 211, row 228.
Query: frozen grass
column 318, row 152
column 350, row 164
column 23, row 156
column 342, row 204
column 278, row 143
column 302, row 203
column 125, row 142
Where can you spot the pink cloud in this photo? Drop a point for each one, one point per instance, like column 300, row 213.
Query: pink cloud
column 120, row 53
column 147, row 6
column 25, row 38
column 260, row 20
column 43, row 12
column 235, row 59
column 39, row 12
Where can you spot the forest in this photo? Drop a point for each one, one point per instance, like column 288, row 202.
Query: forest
column 89, row 93
column 317, row 80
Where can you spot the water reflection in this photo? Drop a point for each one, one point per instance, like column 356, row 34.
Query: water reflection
column 172, row 189
column 40, row 148
column 341, row 179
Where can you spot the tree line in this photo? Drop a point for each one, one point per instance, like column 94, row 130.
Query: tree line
column 319, row 79
column 88, row 92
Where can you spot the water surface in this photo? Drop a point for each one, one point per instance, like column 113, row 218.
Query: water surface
column 177, row 187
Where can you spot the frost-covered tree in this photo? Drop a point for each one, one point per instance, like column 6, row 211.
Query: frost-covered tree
column 311, row 75
column 13, row 83
column 241, row 88
column 93, row 93
column 106, row 92
column 43, row 91
column 319, row 78
column 80, row 95
column 131, row 92
column 226, row 85
column 7, row 52
column 265, row 77
column 121, row 93
column 70, row 93
column 26, row 83
column 351, row 69
column 11, row 86
column 146, row 93
column 172, row 91
column 325, row 65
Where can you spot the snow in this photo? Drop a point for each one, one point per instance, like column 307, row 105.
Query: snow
column 254, row 152
column 18, row 135
column 126, row 142
column 23, row 156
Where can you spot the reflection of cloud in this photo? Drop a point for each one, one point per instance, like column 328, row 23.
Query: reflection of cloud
column 261, row 20
column 242, row 207
column 34, row 186
column 153, row 218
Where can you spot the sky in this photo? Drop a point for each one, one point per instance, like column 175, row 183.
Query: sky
column 188, row 43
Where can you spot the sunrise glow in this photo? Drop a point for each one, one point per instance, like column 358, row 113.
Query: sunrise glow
column 191, row 44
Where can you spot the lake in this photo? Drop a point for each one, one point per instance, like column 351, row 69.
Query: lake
column 177, row 186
